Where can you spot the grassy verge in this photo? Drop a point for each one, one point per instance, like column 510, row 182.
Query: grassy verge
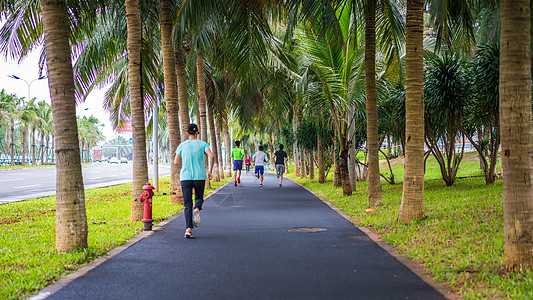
column 460, row 243
column 28, row 260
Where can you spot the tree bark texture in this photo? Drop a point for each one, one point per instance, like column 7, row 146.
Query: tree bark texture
column 171, row 97
column 311, row 165
column 214, row 148
column 219, row 148
column 337, row 181
column 227, row 142
column 296, row 161
column 202, row 106
column 516, row 133
column 345, row 176
column 412, row 206
column 303, row 164
column 182, row 93
column 321, row 163
column 140, row 165
column 71, row 218
column 374, row 185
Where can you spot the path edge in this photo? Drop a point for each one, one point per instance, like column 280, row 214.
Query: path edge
column 63, row 281
column 414, row 266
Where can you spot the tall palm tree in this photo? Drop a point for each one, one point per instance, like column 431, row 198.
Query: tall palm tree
column 182, row 90
column 202, row 104
column 374, row 186
column 171, row 95
column 412, row 206
column 517, row 133
column 71, row 219
column 140, row 164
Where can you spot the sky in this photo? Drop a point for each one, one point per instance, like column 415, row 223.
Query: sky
column 28, row 69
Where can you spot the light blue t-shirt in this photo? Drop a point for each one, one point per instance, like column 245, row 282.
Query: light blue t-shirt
column 192, row 159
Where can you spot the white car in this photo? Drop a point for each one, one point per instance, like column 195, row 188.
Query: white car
column 113, row 160
column 123, row 160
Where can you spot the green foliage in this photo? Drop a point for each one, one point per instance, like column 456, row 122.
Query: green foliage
column 28, row 259
column 483, row 107
column 306, row 135
column 445, row 92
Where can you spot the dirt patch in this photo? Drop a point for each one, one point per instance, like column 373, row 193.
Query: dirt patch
column 7, row 221
column 29, row 216
column 393, row 162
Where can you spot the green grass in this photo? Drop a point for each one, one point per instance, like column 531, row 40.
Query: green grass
column 469, row 167
column 28, row 260
column 460, row 243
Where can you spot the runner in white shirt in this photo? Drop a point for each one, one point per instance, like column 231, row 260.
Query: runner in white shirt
column 259, row 158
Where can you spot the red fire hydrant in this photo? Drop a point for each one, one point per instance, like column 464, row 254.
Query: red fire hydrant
column 146, row 197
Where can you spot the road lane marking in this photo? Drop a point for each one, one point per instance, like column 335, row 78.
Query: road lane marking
column 95, row 178
column 16, row 179
column 26, row 186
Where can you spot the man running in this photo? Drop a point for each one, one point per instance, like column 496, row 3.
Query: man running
column 259, row 158
column 280, row 158
column 192, row 175
column 237, row 154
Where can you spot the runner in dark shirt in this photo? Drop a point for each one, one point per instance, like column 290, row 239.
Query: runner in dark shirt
column 280, row 158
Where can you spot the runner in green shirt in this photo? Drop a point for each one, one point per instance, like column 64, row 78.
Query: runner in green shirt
column 237, row 154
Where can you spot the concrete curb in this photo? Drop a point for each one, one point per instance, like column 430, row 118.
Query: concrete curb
column 414, row 266
column 61, row 283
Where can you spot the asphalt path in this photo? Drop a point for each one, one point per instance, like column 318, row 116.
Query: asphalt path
column 26, row 183
column 249, row 246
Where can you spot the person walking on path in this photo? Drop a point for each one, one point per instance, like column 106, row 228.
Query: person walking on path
column 259, row 159
column 247, row 162
column 193, row 175
column 237, row 154
column 280, row 160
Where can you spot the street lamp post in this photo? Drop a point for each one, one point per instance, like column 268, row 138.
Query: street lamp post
column 28, row 83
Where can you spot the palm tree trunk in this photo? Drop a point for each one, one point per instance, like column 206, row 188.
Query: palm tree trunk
column 24, row 144
column 337, row 179
column 214, row 148
column 311, row 165
column 140, row 165
column 219, row 148
column 295, row 143
column 182, row 94
column 412, row 206
column 71, row 218
column 47, row 147
column 321, row 164
column 227, row 142
column 345, row 176
column 171, row 96
column 303, row 164
column 374, row 185
column 43, row 148
column 12, row 145
column 200, row 77
column 33, row 146
column 517, row 133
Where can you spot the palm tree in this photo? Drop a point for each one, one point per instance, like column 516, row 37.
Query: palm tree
column 517, row 133
column 71, row 219
column 412, row 206
column 171, row 95
column 11, row 112
column 140, row 165
column 374, row 186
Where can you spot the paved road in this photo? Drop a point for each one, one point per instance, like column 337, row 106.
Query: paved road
column 22, row 184
column 245, row 249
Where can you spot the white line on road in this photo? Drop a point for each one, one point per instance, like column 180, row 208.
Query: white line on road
column 26, row 186
column 96, row 178
column 1, row 180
